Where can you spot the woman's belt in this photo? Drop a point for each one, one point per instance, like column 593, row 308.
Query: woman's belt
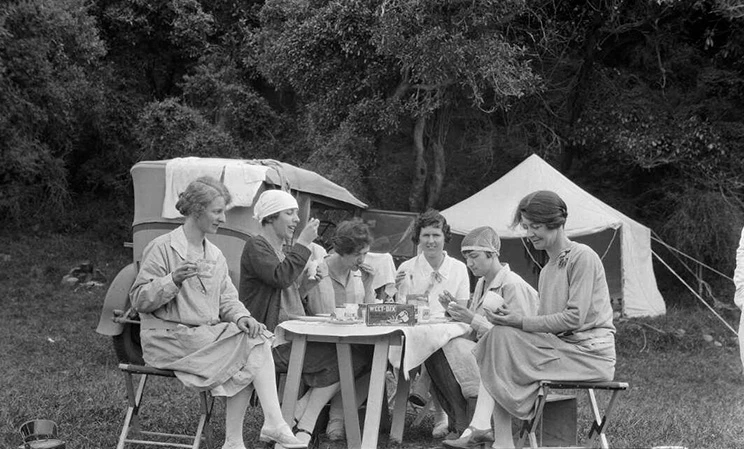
column 155, row 323
column 578, row 336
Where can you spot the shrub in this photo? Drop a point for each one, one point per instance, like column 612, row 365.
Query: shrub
column 234, row 107
column 168, row 129
column 48, row 50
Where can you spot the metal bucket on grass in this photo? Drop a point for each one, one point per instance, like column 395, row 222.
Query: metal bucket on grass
column 40, row 434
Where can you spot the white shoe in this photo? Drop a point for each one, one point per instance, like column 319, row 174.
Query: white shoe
column 301, row 406
column 230, row 446
column 441, row 428
column 282, row 436
column 304, row 437
column 335, row 430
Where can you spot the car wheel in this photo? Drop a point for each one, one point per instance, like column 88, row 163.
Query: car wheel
column 127, row 345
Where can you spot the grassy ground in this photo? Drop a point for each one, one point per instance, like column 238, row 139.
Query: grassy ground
column 684, row 390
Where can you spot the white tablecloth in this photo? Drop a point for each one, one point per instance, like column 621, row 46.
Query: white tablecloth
column 421, row 340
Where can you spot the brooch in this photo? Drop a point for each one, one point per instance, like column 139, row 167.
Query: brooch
column 563, row 258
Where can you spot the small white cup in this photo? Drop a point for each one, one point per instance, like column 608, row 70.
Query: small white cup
column 340, row 313
column 352, row 310
column 205, row 268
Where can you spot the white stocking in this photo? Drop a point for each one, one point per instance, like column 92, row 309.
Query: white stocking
column 483, row 409
column 265, row 384
column 235, row 407
column 318, row 398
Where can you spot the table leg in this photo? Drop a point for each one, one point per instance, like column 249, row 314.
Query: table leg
column 294, row 373
column 375, row 399
column 348, row 395
column 399, row 409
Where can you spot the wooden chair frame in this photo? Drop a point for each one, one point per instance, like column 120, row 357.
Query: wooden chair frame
column 132, row 427
column 601, row 421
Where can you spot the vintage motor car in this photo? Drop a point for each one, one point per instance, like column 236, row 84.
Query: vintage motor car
column 156, row 185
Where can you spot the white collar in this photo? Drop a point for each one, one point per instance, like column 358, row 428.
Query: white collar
column 180, row 245
column 500, row 277
column 443, row 270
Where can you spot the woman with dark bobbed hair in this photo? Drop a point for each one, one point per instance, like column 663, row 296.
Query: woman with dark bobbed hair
column 193, row 323
column 432, row 274
column 570, row 338
column 349, row 279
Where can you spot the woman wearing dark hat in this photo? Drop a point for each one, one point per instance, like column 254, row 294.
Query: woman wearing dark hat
column 570, row 338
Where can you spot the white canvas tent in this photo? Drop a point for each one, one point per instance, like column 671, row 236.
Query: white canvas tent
column 623, row 244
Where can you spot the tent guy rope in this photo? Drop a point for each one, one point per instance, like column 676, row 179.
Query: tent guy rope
column 694, row 292
column 656, row 238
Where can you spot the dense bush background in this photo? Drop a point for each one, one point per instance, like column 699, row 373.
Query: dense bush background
column 640, row 102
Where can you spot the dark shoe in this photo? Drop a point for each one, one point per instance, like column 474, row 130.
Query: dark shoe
column 452, row 436
column 476, row 438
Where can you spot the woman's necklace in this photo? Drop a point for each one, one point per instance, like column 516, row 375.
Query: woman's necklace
column 278, row 251
column 195, row 253
column 272, row 243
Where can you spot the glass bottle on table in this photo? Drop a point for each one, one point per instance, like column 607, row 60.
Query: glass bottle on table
column 404, row 288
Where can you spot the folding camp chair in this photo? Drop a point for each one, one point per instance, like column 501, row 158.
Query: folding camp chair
column 132, row 433
column 601, row 421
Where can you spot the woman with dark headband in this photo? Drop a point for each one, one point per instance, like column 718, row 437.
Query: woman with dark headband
column 455, row 378
column 570, row 338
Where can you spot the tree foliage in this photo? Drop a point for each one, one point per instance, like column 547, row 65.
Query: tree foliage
column 408, row 103
column 48, row 51
column 647, row 97
column 232, row 106
column 170, row 129
column 371, row 66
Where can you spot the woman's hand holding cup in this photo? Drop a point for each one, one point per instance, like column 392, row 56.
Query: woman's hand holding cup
column 184, row 271
column 309, row 232
column 445, row 298
column 459, row 311
column 504, row 316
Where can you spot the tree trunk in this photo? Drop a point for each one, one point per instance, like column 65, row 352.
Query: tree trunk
column 436, row 178
column 416, row 198
column 577, row 96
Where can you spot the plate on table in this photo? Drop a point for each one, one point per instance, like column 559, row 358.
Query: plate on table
column 438, row 320
column 317, row 318
column 347, row 322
